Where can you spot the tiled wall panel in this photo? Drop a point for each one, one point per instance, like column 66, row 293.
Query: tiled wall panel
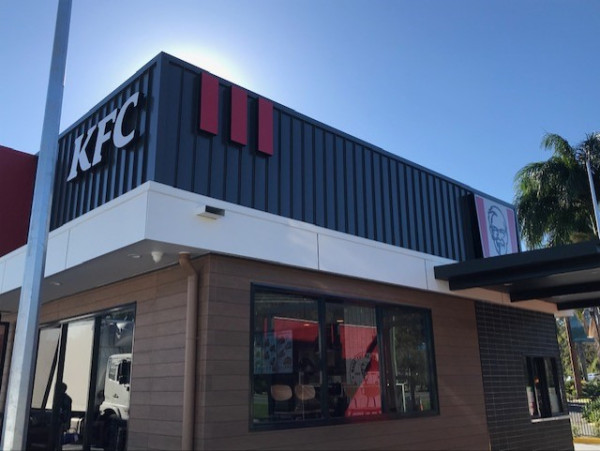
column 506, row 336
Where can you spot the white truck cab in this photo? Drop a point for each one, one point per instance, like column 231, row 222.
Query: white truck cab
column 117, row 386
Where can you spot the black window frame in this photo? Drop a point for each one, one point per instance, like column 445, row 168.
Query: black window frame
column 322, row 299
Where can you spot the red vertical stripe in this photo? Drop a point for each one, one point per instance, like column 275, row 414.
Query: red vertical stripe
column 239, row 115
column 265, row 126
column 209, row 103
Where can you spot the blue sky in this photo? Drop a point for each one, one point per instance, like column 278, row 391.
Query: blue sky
column 464, row 87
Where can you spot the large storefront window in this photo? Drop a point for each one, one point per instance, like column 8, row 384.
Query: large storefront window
column 319, row 359
column 81, row 386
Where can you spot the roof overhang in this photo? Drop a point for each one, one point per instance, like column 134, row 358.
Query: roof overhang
column 568, row 276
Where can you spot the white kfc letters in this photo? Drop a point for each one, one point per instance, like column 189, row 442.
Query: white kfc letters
column 80, row 159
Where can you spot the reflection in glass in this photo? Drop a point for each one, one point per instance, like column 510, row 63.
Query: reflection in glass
column 409, row 372
column 40, row 431
column 543, row 387
column 112, row 391
column 287, row 380
column 325, row 358
column 81, row 385
column 76, row 381
column 45, row 368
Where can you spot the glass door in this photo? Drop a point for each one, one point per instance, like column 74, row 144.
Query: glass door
column 111, row 384
column 40, row 432
column 82, row 384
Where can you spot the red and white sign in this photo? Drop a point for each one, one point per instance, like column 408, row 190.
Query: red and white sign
column 497, row 227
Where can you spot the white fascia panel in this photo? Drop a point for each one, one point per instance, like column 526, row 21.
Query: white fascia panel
column 164, row 214
column 374, row 261
column 14, row 267
column 108, row 228
column 241, row 231
column 56, row 255
column 117, row 224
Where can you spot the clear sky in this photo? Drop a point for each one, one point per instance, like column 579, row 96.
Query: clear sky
column 464, row 87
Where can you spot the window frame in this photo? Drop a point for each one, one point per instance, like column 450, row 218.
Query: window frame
column 322, row 299
column 530, row 365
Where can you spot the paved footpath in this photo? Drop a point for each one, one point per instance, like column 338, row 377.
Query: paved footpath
column 587, row 447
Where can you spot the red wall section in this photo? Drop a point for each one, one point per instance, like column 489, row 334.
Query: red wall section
column 17, row 177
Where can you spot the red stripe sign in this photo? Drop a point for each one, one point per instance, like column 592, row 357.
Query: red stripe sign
column 238, row 131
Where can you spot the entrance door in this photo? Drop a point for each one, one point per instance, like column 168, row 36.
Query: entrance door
column 81, row 387
column 40, row 432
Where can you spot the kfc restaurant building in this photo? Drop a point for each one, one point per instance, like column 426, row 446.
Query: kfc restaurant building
column 226, row 273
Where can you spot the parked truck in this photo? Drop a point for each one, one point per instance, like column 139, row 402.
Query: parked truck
column 117, row 386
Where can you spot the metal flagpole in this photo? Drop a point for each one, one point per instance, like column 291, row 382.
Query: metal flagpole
column 588, row 167
column 20, row 383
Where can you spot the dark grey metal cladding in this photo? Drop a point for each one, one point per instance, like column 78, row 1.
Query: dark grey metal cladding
column 317, row 174
column 121, row 170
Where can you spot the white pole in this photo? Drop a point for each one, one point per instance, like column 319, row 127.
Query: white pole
column 588, row 166
column 20, row 383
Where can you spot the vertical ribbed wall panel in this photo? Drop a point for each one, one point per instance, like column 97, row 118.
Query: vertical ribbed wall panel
column 316, row 174
column 120, row 170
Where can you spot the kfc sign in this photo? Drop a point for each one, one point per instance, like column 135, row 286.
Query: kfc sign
column 115, row 127
column 497, row 227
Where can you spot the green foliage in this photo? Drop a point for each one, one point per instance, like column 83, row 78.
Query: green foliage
column 591, row 389
column 570, row 389
column 591, row 411
column 563, row 345
column 553, row 197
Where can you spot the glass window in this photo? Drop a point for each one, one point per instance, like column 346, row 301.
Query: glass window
column 317, row 359
column 543, row 389
column 352, row 361
column 45, row 369
column 287, row 380
column 409, row 375
column 112, row 370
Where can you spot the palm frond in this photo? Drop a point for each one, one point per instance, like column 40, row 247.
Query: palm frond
column 559, row 146
column 552, row 197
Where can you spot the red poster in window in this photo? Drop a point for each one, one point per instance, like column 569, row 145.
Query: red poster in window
column 360, row 350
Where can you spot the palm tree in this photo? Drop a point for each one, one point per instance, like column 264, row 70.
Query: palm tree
column 553, row 197
column 555, row 202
